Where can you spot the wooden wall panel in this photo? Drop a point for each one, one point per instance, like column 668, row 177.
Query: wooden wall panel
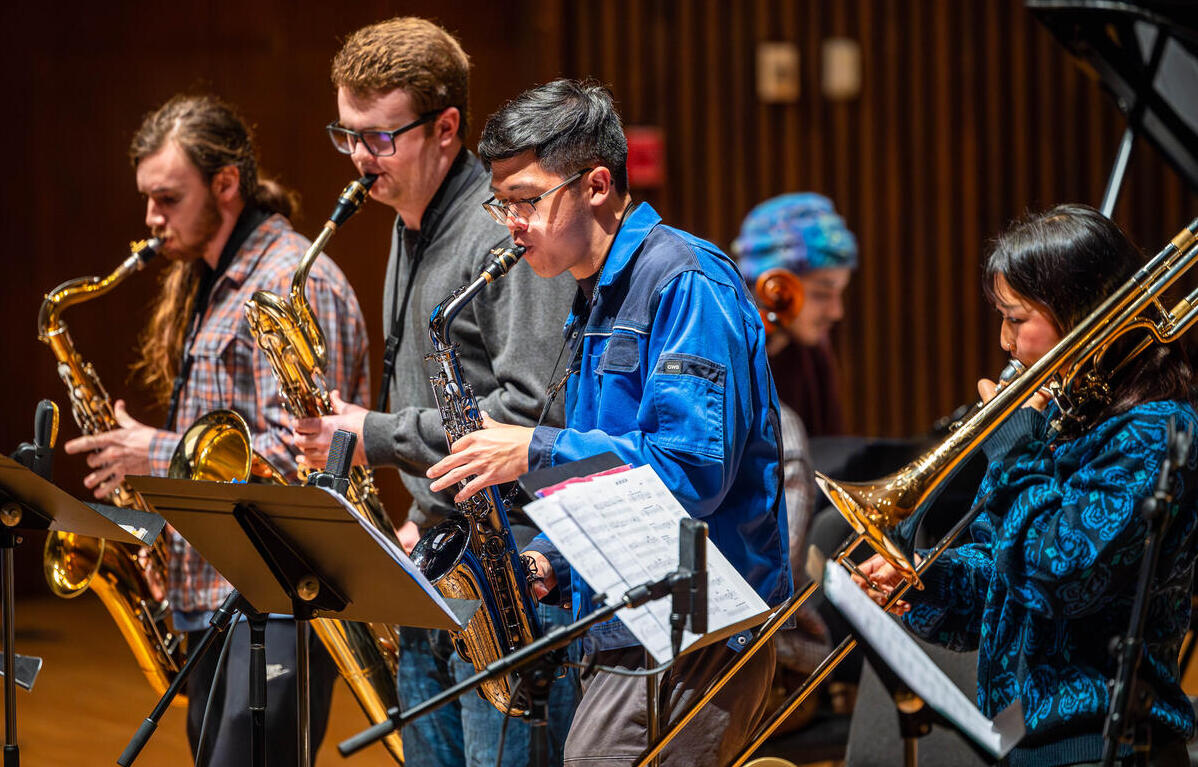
column 970, row 114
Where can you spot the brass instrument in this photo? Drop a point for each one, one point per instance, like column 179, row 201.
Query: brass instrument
column 289, row 334
column 1075, row 371
column 73, row 563
column 472, row 555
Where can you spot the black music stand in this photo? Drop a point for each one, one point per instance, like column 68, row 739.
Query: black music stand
column 301, row 551
column 30, row 503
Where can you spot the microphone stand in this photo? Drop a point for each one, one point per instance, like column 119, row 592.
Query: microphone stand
column 219, row 622
column 542, row 654
column 1131, row 697
column 39, row 458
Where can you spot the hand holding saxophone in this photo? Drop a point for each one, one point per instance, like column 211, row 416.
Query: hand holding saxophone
column 313, row 436
column 494, row 454
column 115, row 454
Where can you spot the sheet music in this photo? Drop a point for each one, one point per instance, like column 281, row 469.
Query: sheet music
column 905, row 658
column 620, row 530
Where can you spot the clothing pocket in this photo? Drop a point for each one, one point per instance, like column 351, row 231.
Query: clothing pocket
column 688, row 395
column 216, row 369
column 622, row 354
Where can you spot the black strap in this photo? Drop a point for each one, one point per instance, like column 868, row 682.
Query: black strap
column 428, row 227
column 584, row 299
column 395, row 337
column 250, row 219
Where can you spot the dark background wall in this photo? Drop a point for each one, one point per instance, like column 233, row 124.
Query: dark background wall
column 969, row 114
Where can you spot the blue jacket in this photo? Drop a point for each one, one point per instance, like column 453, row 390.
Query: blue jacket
column 673, row 373
column 1051, row 577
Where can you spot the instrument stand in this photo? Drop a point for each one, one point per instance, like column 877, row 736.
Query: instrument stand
column 538, row 652
column 309, row 592
column 1131, row 697
column 220, row 621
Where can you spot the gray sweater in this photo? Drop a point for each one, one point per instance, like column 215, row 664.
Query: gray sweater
column 509, row 336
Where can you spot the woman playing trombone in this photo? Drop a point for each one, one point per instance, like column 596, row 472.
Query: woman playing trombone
column 1050, row 576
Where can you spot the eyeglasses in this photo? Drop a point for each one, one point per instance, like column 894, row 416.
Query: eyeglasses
column 380, row 143
column 520, row 211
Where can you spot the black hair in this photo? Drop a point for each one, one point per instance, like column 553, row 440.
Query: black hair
column 1068, row 260
column 569, row 125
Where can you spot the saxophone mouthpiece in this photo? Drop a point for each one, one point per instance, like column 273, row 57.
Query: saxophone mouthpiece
column 505, row 259
column 351, row 198
column 147, row 249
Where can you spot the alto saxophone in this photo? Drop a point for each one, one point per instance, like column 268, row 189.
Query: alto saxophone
column 473, row 555
column 367, row 655
column 73, row 563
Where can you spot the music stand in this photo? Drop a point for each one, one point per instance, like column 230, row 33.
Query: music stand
column 29, row 503
column 301, row 551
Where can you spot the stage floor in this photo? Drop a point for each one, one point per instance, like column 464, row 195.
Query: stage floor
column 90, row 698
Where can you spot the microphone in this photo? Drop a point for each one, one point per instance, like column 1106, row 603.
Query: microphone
column 39, row 456
column 689, row 582
column 692, row 556
column 336, row 469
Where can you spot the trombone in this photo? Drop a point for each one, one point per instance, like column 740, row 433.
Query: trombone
column 1071, row 370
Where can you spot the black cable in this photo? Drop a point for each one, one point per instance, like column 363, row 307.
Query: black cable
column 220, row 668
column 507, row 715
column 592, row 666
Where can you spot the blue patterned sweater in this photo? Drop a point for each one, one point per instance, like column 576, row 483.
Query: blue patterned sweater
column 1051, row 576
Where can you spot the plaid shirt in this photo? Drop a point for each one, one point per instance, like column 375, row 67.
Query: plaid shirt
column 229, row 371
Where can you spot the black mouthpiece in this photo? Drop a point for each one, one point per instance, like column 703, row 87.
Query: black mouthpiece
column 351, row 199
column 148, row 249
column 505, row 259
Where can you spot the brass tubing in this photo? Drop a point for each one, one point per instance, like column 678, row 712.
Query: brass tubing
column 849, row 643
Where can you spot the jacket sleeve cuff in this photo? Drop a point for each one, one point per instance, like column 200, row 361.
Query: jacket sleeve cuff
column 561, row 568
column 540, row 449
column 162, row 447
column 1023, row 425
column 376, row 438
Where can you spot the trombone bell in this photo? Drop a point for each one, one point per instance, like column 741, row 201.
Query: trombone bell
column 870, row 509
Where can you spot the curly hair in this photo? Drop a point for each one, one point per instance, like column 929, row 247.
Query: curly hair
column 411, row 53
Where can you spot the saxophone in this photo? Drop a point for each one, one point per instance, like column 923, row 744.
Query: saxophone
column 472, row 555
column 291, row 337
column 73, row 563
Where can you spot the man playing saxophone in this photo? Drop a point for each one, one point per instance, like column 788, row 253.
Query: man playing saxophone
column 226, row 232
column 670, row 357
column 402, row 110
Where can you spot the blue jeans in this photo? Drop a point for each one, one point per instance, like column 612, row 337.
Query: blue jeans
column 467, row 732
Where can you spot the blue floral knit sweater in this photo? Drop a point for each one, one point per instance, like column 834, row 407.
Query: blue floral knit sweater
column 1051, row 576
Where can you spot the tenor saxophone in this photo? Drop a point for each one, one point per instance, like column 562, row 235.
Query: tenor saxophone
column 473, row 555
column 289, row 334
column 132, row 591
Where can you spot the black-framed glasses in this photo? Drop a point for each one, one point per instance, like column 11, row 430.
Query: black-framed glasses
column 520, row 211
column 380, row 143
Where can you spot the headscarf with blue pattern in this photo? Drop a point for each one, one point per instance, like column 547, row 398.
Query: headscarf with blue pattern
column 799, row 232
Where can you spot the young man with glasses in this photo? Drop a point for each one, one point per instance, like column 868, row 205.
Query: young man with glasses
column 670, row 357
column 402, row 97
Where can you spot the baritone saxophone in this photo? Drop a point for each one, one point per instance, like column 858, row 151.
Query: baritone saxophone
column 287, row 331
column 473, row 555
column 133, row 591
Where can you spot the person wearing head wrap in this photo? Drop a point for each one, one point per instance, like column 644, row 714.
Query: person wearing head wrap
column 798, row 256
column 801, row 234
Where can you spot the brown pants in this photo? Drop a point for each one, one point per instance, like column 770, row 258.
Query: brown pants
column 610, row 724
